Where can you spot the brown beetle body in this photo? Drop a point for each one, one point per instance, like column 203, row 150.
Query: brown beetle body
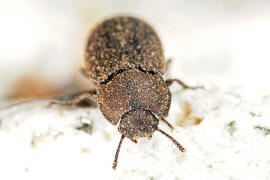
column 122, row 43
column 124, row 58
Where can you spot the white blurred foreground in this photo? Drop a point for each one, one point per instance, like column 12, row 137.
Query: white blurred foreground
column 231, row 142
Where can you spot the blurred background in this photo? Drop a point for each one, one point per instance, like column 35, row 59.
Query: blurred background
column 213, row 43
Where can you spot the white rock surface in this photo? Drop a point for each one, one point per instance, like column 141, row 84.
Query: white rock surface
column 40, row 142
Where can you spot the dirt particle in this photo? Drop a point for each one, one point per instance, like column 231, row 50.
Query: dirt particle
column 266, row 131
column 26, row 169
column 231, row 127
column 255, row 114
column 85, row 150
column 187, row 118
column 86, row 127
column 197, row 120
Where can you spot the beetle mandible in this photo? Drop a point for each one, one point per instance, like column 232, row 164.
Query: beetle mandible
column 124, row 58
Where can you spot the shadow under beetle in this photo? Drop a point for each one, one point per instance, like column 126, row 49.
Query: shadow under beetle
column 124, row 58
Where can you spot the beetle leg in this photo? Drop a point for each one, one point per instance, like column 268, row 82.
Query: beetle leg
column 166, row 122
column 170, row 81
column 84, row 99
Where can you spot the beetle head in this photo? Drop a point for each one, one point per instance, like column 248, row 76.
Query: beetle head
column 138, row 123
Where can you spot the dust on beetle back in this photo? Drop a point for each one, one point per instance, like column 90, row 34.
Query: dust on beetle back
column 122, row 43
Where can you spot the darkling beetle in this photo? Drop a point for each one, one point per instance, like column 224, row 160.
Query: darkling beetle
column 124, row 58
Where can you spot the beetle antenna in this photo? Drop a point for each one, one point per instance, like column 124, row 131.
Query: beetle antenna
column 172, row 139
column 117, row 152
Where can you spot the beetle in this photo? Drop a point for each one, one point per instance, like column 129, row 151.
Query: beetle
column 124, row 58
